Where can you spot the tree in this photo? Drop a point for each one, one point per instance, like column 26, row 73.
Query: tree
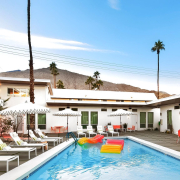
column 16, row 122
column 96, row 75
column 5, row 125
column 2, row 107
column 89, row 82
column 158, row 47
column 54, row 71
column 60, row 85
column 99, row 83
column 32, row 117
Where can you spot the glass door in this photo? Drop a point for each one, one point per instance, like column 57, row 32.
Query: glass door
column 150, row 119
column 142, row 119
column 169, row 119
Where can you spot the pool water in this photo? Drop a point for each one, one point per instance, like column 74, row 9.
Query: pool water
column 87, row 163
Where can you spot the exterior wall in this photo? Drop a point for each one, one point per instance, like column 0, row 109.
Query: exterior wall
column 175, row 118
column 103, row 117
column 41, row 93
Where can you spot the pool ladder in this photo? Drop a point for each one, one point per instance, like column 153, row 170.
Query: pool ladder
column 72, row 135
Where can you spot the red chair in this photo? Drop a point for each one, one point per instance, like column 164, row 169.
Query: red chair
column 131, row 129
column 53, row 129
column 178, row 135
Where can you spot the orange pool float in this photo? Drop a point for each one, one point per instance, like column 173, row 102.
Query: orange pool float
column 96, row 139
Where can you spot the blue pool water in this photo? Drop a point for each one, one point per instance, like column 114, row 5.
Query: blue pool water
column 135, row 162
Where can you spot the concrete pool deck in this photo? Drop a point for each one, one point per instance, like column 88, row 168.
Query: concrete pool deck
column 162, row 139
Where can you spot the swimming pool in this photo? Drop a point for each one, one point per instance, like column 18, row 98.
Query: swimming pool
column 135, row 162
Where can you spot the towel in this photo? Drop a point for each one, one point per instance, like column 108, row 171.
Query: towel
column 7, row 148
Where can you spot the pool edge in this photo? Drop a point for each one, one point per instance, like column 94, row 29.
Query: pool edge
column 30, row 166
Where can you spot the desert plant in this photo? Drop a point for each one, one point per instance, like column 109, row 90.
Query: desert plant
column 60, row 85
column 54, row 72
column 6, row 125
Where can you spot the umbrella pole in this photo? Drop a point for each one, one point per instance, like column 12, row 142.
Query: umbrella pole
column 28, row 131
column 120, row 123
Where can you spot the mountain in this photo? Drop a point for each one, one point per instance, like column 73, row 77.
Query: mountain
column 73, row 80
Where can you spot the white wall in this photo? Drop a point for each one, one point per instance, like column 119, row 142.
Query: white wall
column 103, row 117
column 175, row 117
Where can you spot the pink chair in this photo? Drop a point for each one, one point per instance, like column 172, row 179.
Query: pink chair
column 131, row 129
column 178, row 135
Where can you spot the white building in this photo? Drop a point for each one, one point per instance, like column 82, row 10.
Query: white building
column 95, row 106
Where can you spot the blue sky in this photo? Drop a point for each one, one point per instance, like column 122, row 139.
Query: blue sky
column 119, row 32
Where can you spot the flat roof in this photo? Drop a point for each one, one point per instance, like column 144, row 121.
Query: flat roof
column 165, row 101
column 24, row 81
column 97, row 94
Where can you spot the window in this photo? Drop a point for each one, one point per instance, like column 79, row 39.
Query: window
column 15, row 92
column 150, row 119
column 61, row 109
column 114, row 109
column 142, row 119
column 122, row 100
column 94, row 120
column 176, row 107
column 79, row 99
column 132, row 101
column 117, row 100
column 134, row 110
column 104, row 100
column 160, row 114
column 74, row 109
column 84, row 119
column 42, row 121
column 103, row 109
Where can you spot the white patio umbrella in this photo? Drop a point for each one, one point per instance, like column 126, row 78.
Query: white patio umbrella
column 25, row 108
column 121, row 112
column 67, row 112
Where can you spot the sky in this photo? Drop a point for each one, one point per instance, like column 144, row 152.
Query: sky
column 113, row 37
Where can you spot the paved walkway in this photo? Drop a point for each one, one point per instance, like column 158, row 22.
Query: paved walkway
column 163, row 139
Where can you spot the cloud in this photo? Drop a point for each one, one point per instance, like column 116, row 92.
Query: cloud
column 114, row 4
column 48, row 43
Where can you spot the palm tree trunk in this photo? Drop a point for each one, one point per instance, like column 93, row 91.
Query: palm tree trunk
column 158, row 77
column 89, row 86
column 32, row 122
column 54, row 81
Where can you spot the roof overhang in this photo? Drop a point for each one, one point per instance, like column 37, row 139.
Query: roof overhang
column 10, row 80
column 165, row 101
column 93, row 104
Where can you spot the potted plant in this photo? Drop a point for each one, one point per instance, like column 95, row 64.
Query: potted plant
column 125, row 126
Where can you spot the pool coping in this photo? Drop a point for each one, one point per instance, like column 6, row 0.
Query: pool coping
column 30, row 166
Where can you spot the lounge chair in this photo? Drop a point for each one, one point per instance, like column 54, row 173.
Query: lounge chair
column 21, row 143
column 34, row 138
column 111, row 130
column 80, row 131
column 90, row 130
column 100, row 130
column 8, row 149
column 178, row 135
column 131, row 129
column 41, row 135
column 8, row 159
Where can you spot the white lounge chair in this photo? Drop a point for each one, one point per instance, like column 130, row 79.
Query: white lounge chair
column 21, row 143
column 8, row 149
column 111, row 130
column 90, row 130
column 34, row 138
column 42, row 136
column 80, row 131
column 100, row 130
column 8, row 159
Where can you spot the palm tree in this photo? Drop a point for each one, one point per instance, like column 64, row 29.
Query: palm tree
column 60, row 85
column 89, row 81
column 158, row 47
column 54, row 71
column 32, row 120
column 99, row 83
column 96, row 75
